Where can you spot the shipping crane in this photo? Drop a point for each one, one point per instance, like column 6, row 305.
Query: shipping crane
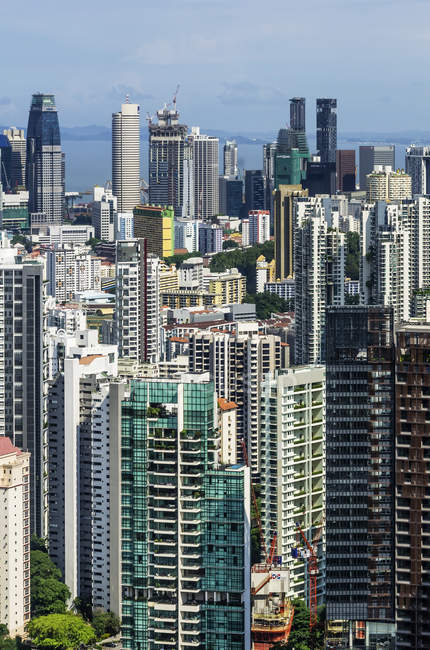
column 312, row 560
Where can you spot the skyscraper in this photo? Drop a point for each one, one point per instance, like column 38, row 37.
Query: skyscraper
column 19, row 146
column 126, row 157
column 298, row 113
column 327, row 129
column 254, row 190
column 371, row 155
column 170, row 164
column 156, row 225
column 360, row 463
column 345, row 170
column 206, row 173
column 230, row 159
column 5, row 162
column 284, row 228
column 417, row 163
column 45, row 164
column 22, row 367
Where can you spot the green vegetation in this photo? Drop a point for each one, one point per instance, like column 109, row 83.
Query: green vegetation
column 255, row 531
column 6, row 642
column 178, row 259
column 267, row 303
column 22, row 239
column 60, row 631
column 105, row 624
column 93, row 242
column 301, row 638
column 49, row 594
column 352, row 300
column 229, row 243
column 244, row 260
column 352, row 264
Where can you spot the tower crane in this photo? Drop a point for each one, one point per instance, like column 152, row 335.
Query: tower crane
column 312, row 560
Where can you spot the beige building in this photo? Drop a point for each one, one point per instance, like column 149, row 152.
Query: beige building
column 228, row 287
column 227, row 418
column 169, row 277
column 14, row 537
column 265, row 272
column 384, row 184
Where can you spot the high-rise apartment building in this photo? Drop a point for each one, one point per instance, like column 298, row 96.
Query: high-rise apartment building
column 79, row 539
column 180, row 570
column 319, row 265
column 345, row 170
column 44, row 162
column 298, row 113
column 255, row 190
column 284, row 226
column 412, row 554
column 417, row 164
column 231, row 168
column 137, row 313
column 104, row 210
column 23, row 365
column 359, row 473
column 327, row 129
column 14, row 537
column 384, row 184
column 187, row 234
column 171, row 179
column 210, row 238
column 126, row 157
column 18, row 145
column 372, row 155
column 71, row 269
column 259, row 226
column 156, row 224
column 269, row 164
column 124, row 225
column 292, row 413
column 206, row 173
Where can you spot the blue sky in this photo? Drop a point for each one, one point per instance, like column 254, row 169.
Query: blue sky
column 237, row 62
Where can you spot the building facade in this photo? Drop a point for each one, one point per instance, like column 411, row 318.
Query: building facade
column 345, row 170
column 72, row 269
column 327, row 129
column 18, row 145
column 126, row 157
column 417, row 163
column 206, row 174
column 284, row 226
column 371, row 155
column 156, row 225
column 231, row 168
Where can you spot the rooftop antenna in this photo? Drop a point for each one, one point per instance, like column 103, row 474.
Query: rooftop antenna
column 127, row 98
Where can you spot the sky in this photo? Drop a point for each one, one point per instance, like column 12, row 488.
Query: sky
column 237, row 62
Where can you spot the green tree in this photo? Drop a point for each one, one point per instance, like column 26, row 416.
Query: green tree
column 244, row 259
column 60, row 631
column 301, row 637
column 267, row 303
column 3, row 630
column 179, row 258
column 37, row 543
column 93, row 242
column 49, row 594
column 229, row 243
column 22, row 239
column 105, row 624
column 352, row 264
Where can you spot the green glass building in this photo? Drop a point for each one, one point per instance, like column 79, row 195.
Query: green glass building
column 180, row 557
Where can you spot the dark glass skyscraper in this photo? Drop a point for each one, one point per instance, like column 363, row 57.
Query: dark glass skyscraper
column 298, row 113
column 45, row 167
column 327, row 129
column 254, row 190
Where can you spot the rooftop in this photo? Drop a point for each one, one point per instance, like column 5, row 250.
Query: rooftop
column 7, row 447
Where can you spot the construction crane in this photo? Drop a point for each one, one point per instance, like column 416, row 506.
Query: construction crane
column 268, row 565
column 312, row 560
column 175, row 96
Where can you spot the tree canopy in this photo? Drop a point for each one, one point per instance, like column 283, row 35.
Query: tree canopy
column 266, row 303
column 49, row 594
column 301, row 637
column 352, row 263
column 60, row 631
column 244, row 260
column 105, row 624
column 229, row 243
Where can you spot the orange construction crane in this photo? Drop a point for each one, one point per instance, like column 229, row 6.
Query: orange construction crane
column 312, row 572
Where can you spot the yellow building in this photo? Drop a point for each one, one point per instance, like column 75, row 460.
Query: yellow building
column 185, row 298
column 228, row 287
column 169, row 278
column 265, row 272
column 283, row 199
column 155, row 223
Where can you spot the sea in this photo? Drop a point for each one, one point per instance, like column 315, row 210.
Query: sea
column 88, row 162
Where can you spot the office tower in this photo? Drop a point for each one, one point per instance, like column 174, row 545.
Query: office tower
column 375, row 155
column 237, row 363
column 345, row 170
column 44, row 163
column 269, row 163
column 78, row 496
column 71, row 269
column 231, row 168
column 359, row 472
column 319, row 271
column 5, row 163
column 22, row 366
column 156, row 225
column 124, row 225
column 126, row 157
column 254, row 190
column 259, row 226
column 417, row 164
column 230, row 196
column 284, row 228
column 187, row 234
column 171, row 164
column 298, row 113
column 384, row 184
column 180, row 559
column 292, row 413
column 327, row 129
column 19, row 147
column 210, row 238
column 137, row 313
column 206, row 173
column 320, row 178
column 14, row 537
column 412, row 554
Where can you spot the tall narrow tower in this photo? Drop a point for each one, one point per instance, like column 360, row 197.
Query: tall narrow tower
column 327, row 129
column 44, row 166
column 126, row 157
column 206, row 173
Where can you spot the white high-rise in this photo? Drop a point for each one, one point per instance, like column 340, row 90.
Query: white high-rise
column 126, row 157
column 231, row 168
column 417, row 163
column 206, row 173
column 14, row 537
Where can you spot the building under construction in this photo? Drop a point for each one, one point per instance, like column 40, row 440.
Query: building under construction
column 272, row 612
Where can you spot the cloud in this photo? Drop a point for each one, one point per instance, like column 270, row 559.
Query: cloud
column 119, row 92
column 244, row 92
column 5, row 101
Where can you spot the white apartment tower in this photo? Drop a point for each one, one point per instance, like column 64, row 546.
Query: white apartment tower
column 70, row 270
column 417, row 163
column 79, row 537
column 137, row 313
column 14, row 537
column 126, row 157
column 206, row 173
